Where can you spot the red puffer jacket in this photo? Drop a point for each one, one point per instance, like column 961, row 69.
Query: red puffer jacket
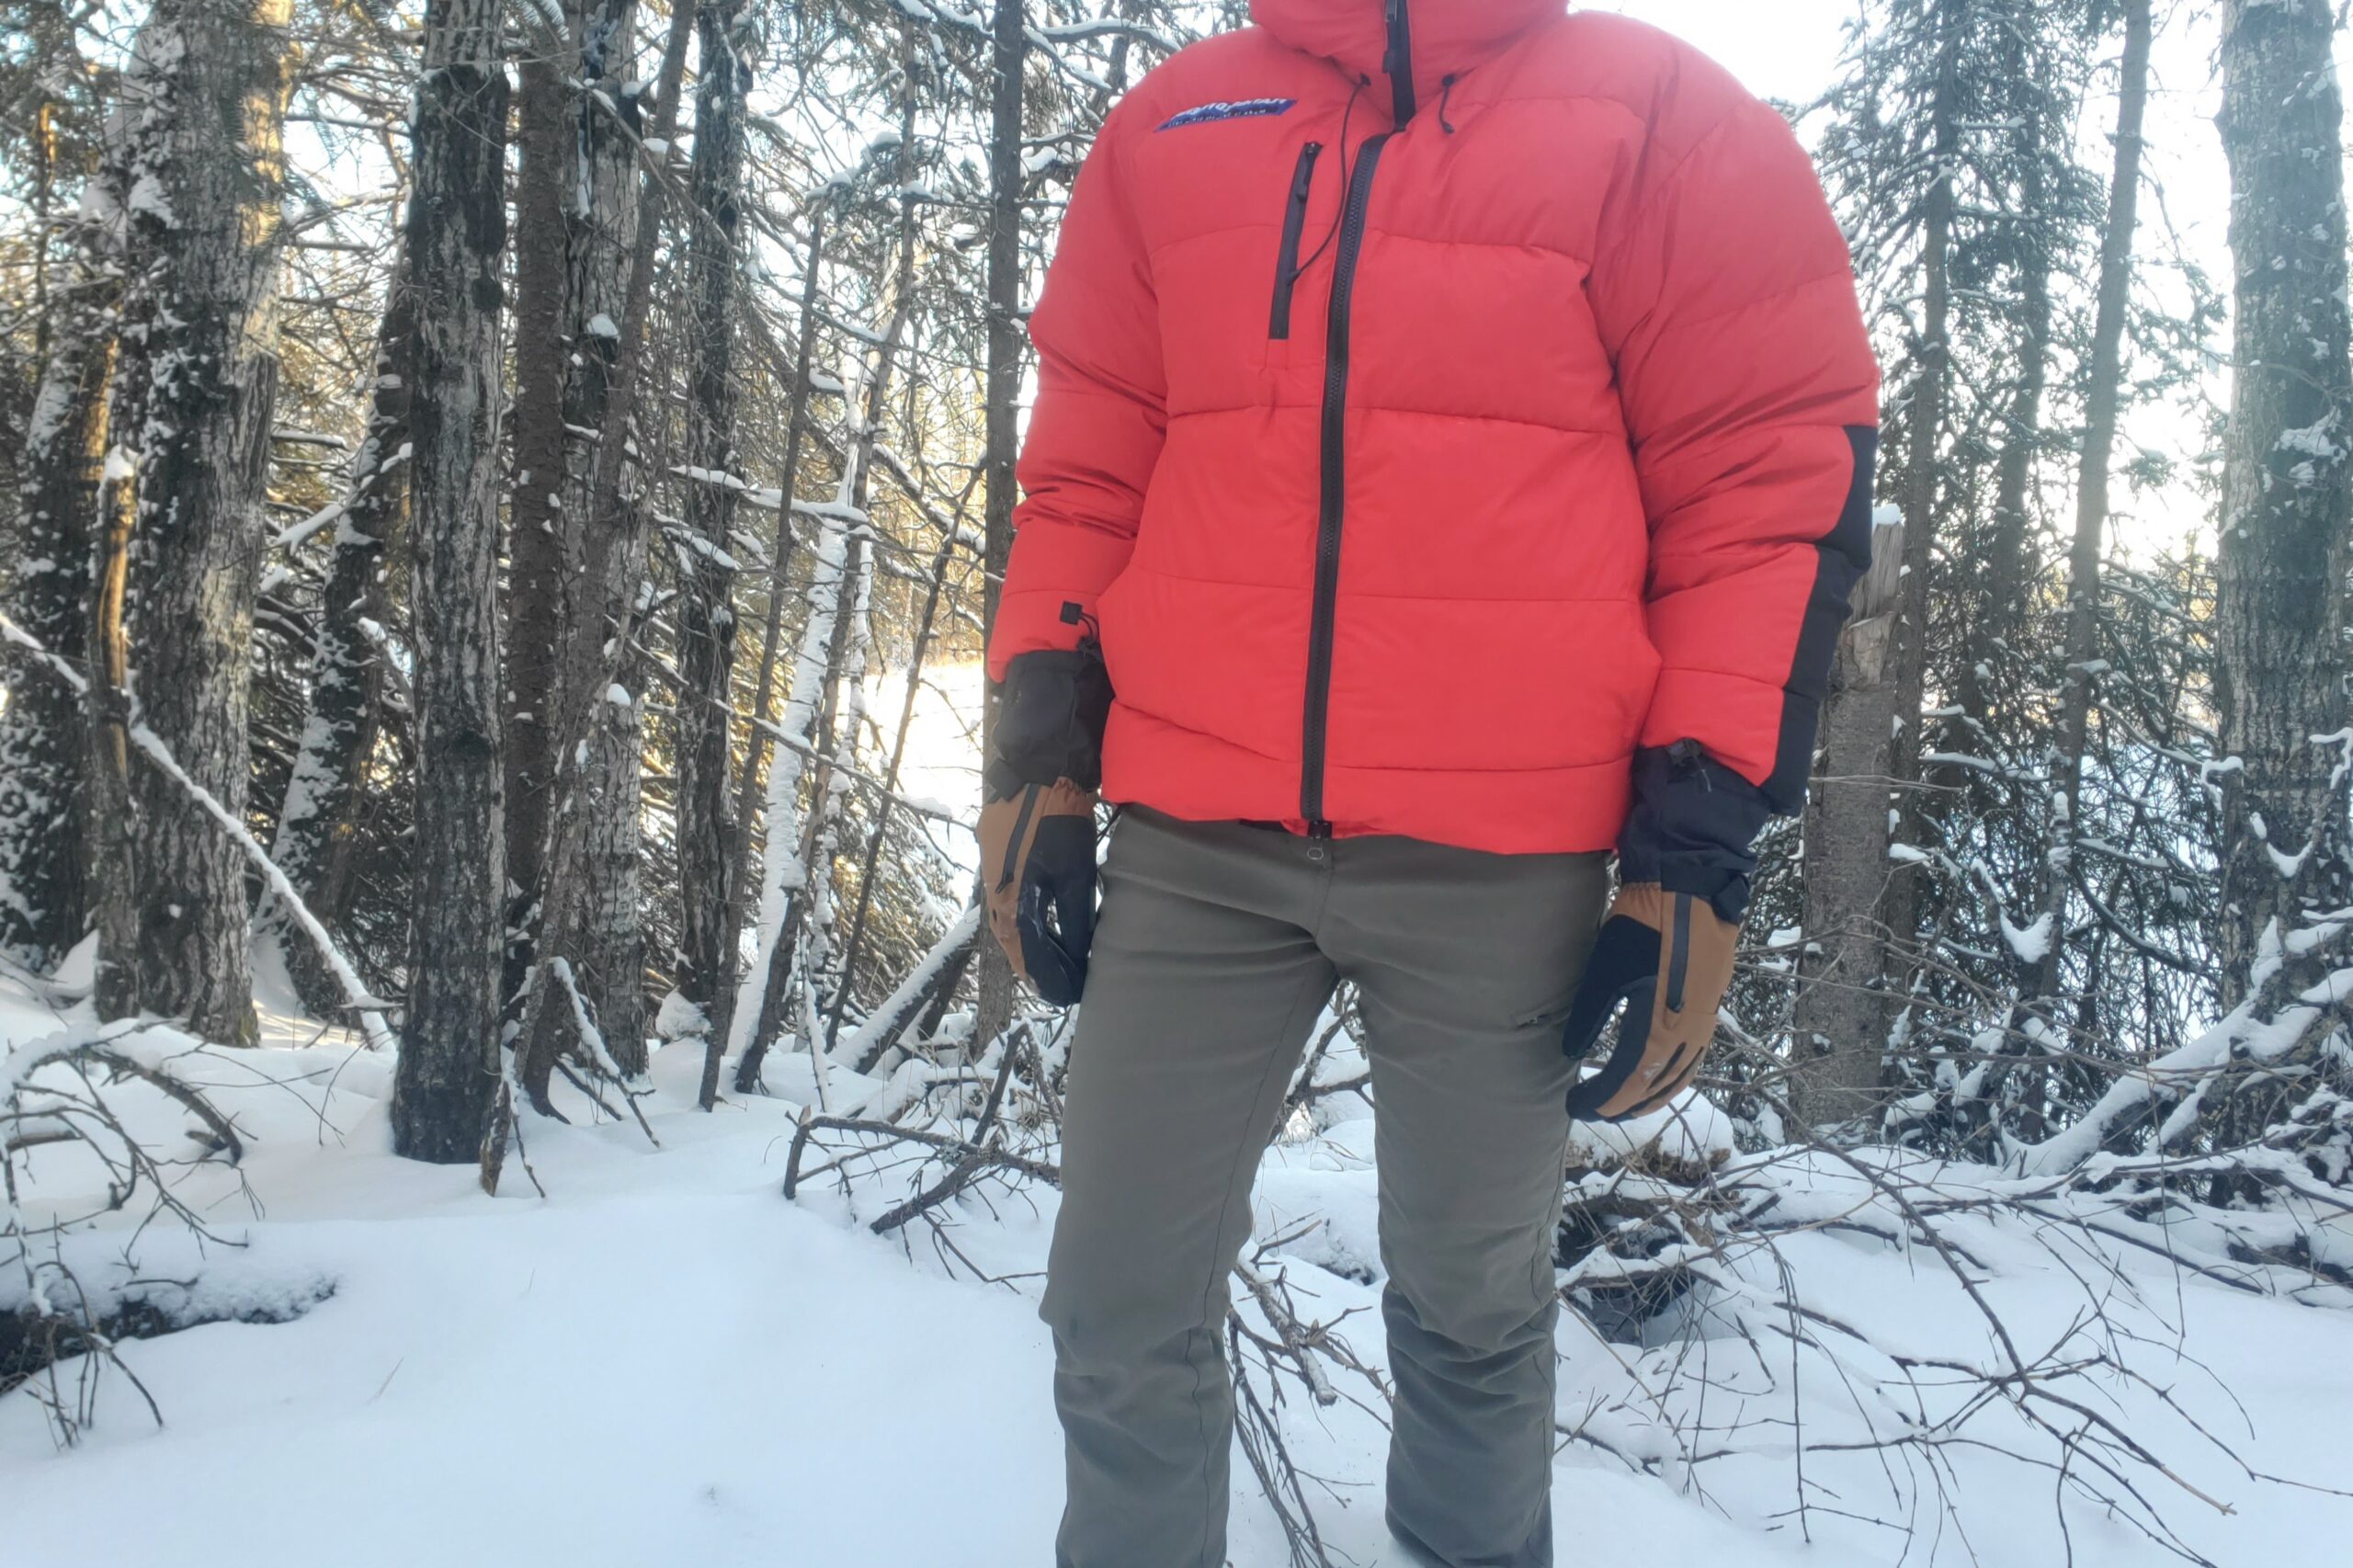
column 1425, row 440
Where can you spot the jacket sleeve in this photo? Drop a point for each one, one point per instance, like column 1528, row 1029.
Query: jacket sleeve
column 1100, row 415
column 1724, row 293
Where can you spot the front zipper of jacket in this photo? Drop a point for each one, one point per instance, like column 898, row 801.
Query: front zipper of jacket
column 1302, row 180
column 1332, row 504
column 1397, row 61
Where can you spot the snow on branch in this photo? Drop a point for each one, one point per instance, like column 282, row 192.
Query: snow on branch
column 355, row 992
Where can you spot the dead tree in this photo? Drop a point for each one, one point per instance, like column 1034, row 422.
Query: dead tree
column 1840, row 1030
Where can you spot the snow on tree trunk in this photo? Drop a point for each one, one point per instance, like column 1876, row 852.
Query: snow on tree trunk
column 1003, row 413
column 2286, row 486
column 798, row 859
column 845, row 720
column 782, row 866
column 756, row 744
column 869, row 869
column 43, row 746
column 317, row 825
column 457, row 229
column 706, row 968
column 208, row 82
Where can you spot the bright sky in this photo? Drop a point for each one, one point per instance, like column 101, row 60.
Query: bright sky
column 1781, row 48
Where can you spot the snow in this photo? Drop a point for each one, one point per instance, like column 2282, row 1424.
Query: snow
column 602, row 325
column 762, row 1382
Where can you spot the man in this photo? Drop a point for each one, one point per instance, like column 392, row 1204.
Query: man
column 1452, row 457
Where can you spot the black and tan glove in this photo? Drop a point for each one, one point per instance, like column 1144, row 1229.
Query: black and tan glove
column 1038, row 813
column 1665, row 958
column 1038, row 870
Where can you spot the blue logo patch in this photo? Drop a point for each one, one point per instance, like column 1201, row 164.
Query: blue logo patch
column 1237, row 108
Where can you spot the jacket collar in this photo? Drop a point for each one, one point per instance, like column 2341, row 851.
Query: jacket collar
column 1441, row 38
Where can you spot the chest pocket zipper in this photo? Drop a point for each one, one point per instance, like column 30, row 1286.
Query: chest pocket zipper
column 1302, row 179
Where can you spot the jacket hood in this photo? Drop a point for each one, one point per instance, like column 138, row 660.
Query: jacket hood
column 1441, row 37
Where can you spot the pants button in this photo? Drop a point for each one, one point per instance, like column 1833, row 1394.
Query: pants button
column 1315, row 852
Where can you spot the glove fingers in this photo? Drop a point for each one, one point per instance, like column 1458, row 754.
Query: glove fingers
column 1624, row 955
column 1057, row 907
column 1586, row 1100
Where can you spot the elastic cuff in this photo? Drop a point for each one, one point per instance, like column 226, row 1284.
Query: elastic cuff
column 1691, row 825
column 1049, row 724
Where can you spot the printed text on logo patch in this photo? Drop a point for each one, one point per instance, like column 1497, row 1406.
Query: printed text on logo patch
column 1237, row 108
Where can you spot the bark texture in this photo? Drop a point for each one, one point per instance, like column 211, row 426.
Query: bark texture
column 206, row 188
column 42, row 744
column 1842, row 1006
column 318, row 824
column 457, row 232
column 604, row 559
column 2286, row 484
column 545, row 320
column 591, row 952
column 706, row 968
column 1003, row 413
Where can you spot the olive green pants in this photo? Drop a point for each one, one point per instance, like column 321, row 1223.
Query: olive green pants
column 1219, row 945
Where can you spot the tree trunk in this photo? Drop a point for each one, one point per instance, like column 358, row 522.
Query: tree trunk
column 784, row 852
column 1840, row 1033
column 1860, row 907
column 457, row 229
column 796, row 892
column 2286, row 486
column 2103, row 396
column 207, row 173
column 318, row 823
column 1997, row 591
column 1003, row 415
column 756, row 742
column 106, row 816
column 1926, row 419
column 589, row 918
column 44, row 748
column 706, row 970
column 605, row 944
column 546, row 325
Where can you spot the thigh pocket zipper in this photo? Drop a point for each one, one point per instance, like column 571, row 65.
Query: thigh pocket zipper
column 1302, row 179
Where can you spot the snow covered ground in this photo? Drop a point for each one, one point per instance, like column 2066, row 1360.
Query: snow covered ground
column 666, row 1362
